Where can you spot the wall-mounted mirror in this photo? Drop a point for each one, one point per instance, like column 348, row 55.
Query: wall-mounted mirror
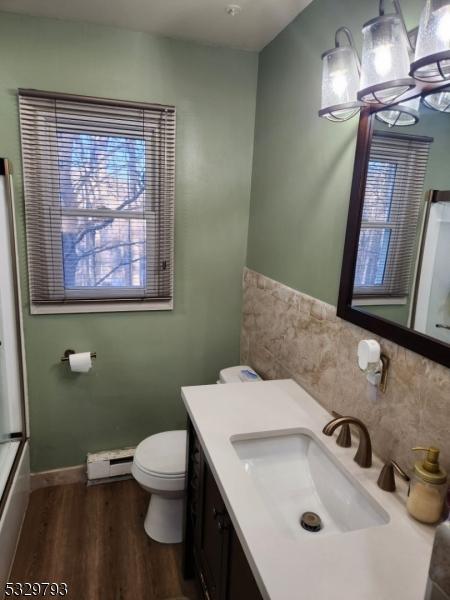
column 396, row 271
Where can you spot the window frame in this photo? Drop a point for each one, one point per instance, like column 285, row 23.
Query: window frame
column 382, row 295
column 103, row 299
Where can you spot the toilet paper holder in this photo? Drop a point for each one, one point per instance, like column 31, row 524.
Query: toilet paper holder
column 67, row 353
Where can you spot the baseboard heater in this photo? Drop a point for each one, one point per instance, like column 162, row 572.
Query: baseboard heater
column 110, row 465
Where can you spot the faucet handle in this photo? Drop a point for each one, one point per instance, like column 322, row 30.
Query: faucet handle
column 344, row 439
column 363, row 455
column 386, row 480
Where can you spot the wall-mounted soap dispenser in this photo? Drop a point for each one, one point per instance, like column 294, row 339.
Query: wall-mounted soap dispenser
column 373, row 362
column 428, row 488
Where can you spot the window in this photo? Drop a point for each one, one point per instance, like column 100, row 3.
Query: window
column 392, row 202
column 99, row 202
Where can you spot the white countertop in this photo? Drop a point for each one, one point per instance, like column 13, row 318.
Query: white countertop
column 387, row 562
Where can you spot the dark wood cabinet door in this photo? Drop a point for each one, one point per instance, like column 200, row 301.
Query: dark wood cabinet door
column 212, row 549
column 194, row 496
column 241, row 584
column 214, row 533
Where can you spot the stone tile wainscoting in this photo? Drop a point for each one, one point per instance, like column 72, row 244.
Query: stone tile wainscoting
column 287, row 334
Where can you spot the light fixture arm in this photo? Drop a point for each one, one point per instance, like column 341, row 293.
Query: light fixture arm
column 351, row 42
column 399, row 12
column 348, row 34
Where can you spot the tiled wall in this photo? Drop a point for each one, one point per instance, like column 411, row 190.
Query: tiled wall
column 288, row 334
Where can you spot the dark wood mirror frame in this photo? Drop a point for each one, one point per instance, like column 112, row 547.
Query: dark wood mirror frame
column 413, row 340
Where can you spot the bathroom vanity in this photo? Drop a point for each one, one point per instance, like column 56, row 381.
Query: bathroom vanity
column 257, row 462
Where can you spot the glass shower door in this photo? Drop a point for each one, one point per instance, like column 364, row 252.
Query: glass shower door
column 433, row 301
column 10, row 416
column 438, row 318
column 11, row 382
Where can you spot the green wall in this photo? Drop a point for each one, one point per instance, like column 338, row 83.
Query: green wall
column 303, row 165
column 143, row 358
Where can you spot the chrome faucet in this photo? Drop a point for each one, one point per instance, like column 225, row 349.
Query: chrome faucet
column 363, row 455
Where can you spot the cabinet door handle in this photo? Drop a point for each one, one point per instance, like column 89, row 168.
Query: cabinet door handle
column 217, row 513
column 222, row 524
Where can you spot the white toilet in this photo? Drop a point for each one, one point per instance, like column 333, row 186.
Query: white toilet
column 159, row 466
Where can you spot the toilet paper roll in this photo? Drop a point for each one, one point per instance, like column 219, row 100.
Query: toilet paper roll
column 80, row 362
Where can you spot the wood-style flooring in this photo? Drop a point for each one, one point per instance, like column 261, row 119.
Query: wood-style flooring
column 93, row 539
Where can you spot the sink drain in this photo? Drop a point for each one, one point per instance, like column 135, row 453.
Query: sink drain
column 311, row 522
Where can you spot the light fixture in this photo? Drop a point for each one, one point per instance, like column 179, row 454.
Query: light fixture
column 385, row 58
column 394, row 61
column 432, row 59
column 403, row 114
column 340, row 79
column 438, row 101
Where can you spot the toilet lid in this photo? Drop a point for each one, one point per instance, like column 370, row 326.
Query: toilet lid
column 163, row 453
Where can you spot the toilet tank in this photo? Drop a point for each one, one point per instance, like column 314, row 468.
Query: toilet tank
column 238, row 374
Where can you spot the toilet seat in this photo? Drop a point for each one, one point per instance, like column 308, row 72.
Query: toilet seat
column 160, row 462
column 156, row 483
column 163, row 454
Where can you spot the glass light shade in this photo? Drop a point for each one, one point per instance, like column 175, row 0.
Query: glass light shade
column 438, row 101
column 385, row 61
column 432, row 58
column 340, row 82
column 401, row 115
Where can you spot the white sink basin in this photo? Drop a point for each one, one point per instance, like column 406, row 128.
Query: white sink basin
column 294, row 474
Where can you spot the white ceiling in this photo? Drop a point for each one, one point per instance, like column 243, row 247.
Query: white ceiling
column 199, row 20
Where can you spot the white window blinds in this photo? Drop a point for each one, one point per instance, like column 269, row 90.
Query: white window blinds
column 99, row 181
column 392, row 205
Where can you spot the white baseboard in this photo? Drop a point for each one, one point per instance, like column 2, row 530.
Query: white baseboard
column 64, row 476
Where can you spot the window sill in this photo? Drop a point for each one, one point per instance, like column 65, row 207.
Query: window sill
column 379, row 301
column 99, row 307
